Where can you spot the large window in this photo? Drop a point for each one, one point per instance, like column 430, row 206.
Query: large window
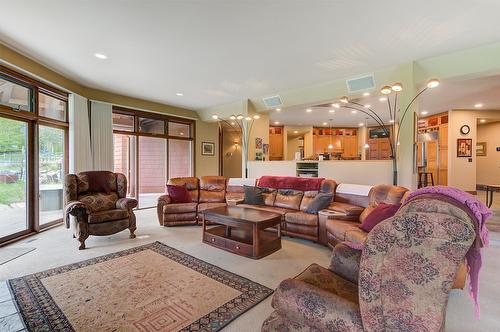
column 150, row 149
column 33, row 158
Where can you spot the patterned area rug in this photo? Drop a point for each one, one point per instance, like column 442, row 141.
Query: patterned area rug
column 148, row 288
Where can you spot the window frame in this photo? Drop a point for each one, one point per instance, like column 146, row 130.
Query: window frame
column 34, row 120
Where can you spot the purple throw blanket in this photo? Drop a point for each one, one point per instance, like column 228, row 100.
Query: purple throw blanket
column 481, row 213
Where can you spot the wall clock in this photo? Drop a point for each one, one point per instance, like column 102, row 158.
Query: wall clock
column 465, row 129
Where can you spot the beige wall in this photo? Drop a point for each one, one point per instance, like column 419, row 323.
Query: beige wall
column 207, row 132
column 260, row 129
column 461, row 172
column 231, row 154
column 308, row 141
column 488, row 167
column 292, row 146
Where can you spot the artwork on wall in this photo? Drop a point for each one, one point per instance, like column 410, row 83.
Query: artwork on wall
column 481, row 149
column 258, row 143
column 207, row 149
column 265, row 148
column 464, row 147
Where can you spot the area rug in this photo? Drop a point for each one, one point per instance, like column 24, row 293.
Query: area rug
column 8, row 254
column 149, row 288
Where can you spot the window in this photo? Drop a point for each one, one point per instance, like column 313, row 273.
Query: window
column 14, row 95
column 148, row 154
column 51, row 107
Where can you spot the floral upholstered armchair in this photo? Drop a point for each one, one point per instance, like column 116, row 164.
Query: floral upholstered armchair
column 97, row 201
column 405, row 274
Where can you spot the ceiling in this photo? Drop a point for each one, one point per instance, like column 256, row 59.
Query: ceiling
column 217, row 52
column 463, row 94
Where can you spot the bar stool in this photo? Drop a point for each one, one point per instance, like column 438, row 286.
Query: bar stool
column 490, row 188
column 423, row 179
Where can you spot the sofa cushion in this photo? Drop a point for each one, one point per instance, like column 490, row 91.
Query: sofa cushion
column 307, row 199
column 339, row 228
column 205, row 206
column 180, row 208
column 378, row 214
column 96, row 181
column 109, row 215
column 212, row 189
column 290, row 182
column 192, row 185
column 346, row 208
column 356, row 235
column 269, row 196
column 320, row 202
column 302, row 218
column 289, row 199
column 178, row 193
column 99, row 201
column 253, row 195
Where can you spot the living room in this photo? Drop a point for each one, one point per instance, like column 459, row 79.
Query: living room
column 248, row 166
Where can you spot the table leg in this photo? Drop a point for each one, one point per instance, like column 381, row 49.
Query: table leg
column 491, row 198
column 204, row 227
column 228, row 231
column 255, row 241
column 279, row 230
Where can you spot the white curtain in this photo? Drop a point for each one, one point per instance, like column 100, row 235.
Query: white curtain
column 101, row 136
column 80, row 157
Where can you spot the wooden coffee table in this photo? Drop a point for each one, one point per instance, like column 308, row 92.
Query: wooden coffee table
column 243, row 231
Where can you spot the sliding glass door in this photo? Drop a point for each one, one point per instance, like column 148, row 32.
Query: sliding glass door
column 51, row 170
column 14, row 173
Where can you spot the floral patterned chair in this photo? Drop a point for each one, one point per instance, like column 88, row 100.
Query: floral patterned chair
column 407, row 269
column 97, row 201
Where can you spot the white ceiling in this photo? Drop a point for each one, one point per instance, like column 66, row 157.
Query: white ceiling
column 220, row 51
column 463, row 94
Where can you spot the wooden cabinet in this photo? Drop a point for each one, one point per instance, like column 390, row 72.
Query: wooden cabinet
column 275, row 143
column 380, row 149
column 344, row 141
column 350, row 147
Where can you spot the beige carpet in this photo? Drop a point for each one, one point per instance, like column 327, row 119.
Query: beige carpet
column 149, row 288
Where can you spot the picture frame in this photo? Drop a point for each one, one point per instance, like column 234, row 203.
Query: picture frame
column 481, row 149
column 464, row 147
column 207, row 149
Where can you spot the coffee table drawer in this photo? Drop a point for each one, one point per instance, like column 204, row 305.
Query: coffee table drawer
column 215, row 240
column 239, row 248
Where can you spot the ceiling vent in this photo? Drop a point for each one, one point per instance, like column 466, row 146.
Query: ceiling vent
column 361, row 83
column 273, row 101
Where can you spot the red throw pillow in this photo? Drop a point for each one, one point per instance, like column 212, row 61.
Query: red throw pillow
column 178, row 194
column 379, row 214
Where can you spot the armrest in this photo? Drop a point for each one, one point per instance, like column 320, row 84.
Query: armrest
column 77, row 209
column 315, row 307
column 345, row 262
column 164, row 199
column 126, row 203
column 347, row 209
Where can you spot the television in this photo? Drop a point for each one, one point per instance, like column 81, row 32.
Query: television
column 378, row 133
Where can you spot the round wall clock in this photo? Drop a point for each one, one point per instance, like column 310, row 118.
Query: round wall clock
column 465, row 129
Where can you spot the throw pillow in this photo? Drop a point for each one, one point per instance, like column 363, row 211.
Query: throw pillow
column 320, row 202
column 253, row 195
column 178, row 194
column 382, row 212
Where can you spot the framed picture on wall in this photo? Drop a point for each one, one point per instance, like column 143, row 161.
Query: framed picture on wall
column 207, row 149
column 481, row 149
column 464, row 147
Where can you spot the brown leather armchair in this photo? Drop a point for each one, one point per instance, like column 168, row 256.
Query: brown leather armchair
column 206, row 193
column 98, row 212
column 173, row 214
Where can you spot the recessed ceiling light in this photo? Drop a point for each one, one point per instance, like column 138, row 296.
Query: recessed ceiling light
column 336, row 105
column 361, row 124
column 382, row 99
column 424, row 112
column 232, row 123
column 256, row 117
column 391, row 121
column 309, row 110
column 295, row 132
column 101, row 56
column 180, row 94
column 276, row 122
column 367, row 106
column 482, row 120
column 182, row 134
column 354, row 111
column 215, row 117
column 325, row 123
column 478, row 105
column 331, row 111
column 278, row 110
column 366, row 94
